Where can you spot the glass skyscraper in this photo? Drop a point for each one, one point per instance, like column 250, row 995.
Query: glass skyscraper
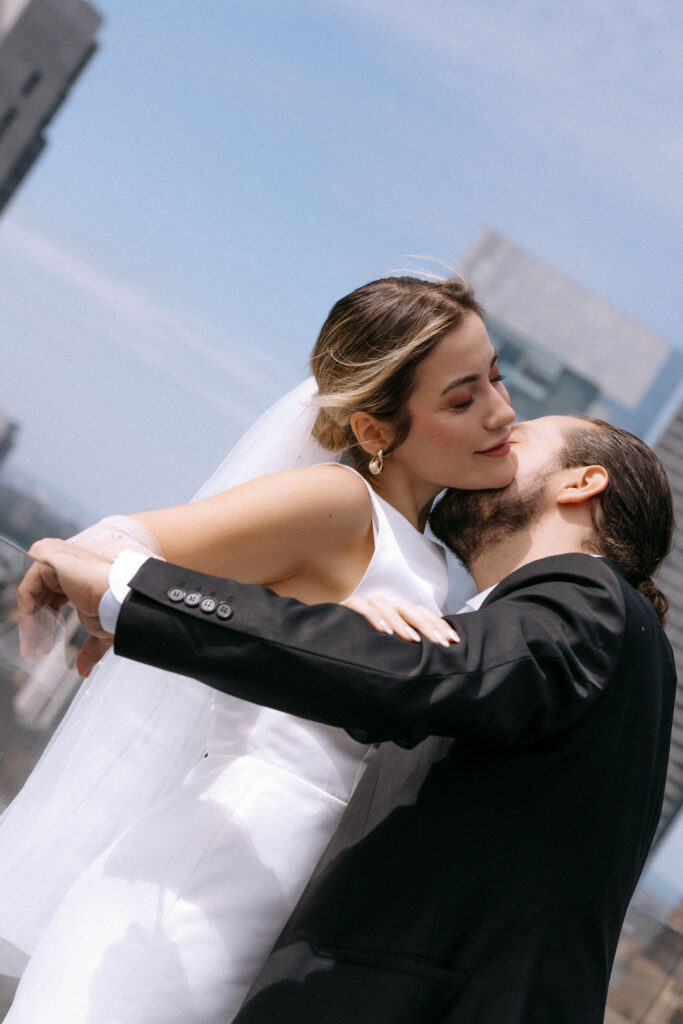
column 564, row 349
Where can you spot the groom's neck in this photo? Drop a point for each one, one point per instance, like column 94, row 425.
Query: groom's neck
column 498, row 560
column 549, row 537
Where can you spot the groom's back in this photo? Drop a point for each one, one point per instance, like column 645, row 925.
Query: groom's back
column 485, row 884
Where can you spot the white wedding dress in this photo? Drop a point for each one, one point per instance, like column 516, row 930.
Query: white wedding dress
column 172, row 922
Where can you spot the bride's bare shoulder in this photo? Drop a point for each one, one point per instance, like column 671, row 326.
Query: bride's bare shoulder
column 327, row 490
column 325, row 527
column 335, row 476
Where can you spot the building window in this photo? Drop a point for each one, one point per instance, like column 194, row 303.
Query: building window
column 6, row 119
column 31, row 82
column 538, row 382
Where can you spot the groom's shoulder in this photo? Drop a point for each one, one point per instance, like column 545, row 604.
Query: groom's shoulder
column 573, row 579
column 574, row 568
column 574, row 599
column 589, row 585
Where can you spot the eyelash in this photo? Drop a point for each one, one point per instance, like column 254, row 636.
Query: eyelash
column 494, row 380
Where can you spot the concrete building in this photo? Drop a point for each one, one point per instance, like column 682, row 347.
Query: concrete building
column 647, row 979
column 8, row 430
column 563, row 350
column 44, row 46
column 669, row 446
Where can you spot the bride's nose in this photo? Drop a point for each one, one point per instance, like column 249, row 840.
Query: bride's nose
column 500, row 413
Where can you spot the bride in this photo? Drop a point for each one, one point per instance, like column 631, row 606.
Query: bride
column 164, row 838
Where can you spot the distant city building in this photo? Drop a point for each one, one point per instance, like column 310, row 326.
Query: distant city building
column 8, row 431
column 669, row 448
column 44, row 46
column 32, row 700
column 563, row 350
column 647, row 980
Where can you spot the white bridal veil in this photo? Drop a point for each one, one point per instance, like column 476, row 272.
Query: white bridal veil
column 132, row 733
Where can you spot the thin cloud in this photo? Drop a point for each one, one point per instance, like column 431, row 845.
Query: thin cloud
column 217, row 371
column 602, row 79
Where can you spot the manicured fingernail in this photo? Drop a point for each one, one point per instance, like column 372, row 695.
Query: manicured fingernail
column 412, row 634
column 386, row 628
column 453, row 636
column 441, row 639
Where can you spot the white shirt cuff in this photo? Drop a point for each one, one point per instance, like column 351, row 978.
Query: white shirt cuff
column 124, row 567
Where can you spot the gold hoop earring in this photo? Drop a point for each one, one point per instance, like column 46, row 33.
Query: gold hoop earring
column 376, row 464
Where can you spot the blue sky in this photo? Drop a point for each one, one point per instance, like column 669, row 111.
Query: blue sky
column 223, row 172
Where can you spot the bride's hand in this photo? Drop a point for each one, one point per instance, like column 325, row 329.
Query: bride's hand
column 403, row 618
column 63, row 572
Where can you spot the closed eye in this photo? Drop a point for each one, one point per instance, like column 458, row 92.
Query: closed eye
column 468, row 401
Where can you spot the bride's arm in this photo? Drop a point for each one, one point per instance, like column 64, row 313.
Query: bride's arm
column 270, row 529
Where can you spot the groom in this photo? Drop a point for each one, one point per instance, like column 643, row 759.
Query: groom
column 483, row 876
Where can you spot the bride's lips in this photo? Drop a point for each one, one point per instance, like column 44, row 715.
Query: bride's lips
column 497, row 451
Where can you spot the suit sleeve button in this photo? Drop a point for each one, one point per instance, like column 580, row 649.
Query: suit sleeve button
column 208, row 605
column 192, row 599
column 224, row 611
column 175, row 594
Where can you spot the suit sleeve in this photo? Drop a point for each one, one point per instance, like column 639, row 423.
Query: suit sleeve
column 529, row 664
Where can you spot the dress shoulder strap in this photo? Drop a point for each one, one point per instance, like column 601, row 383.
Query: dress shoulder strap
column 405, row 564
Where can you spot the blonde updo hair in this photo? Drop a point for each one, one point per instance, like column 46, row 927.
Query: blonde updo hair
column 369, row 349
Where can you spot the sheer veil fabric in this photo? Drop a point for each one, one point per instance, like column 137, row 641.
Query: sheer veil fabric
column 132, row 733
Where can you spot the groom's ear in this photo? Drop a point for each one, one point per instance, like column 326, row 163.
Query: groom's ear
column 581, row 484
column 370, row 432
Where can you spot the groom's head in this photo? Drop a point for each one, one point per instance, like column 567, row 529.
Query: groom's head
column 599, row 488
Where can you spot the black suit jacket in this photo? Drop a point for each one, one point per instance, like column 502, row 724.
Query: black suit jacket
column 483, row 876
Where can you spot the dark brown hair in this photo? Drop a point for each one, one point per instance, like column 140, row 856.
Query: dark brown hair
column 369, row 348
column 634, row 517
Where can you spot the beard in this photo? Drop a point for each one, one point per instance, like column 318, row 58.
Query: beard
column 471, row 522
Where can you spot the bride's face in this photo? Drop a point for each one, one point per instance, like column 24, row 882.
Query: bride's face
column 460, row 416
